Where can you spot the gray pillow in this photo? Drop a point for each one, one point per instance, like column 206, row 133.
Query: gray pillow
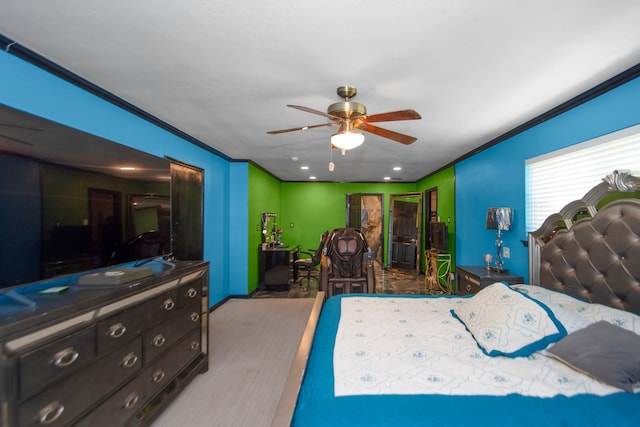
column 604, row 351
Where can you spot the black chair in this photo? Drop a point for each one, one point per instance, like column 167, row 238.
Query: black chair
column 348, row 266
column 310, row 263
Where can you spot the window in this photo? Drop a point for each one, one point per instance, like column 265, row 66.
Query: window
column 554, row 179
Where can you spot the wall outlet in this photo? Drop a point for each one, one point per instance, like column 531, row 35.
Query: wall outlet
column 506, row 252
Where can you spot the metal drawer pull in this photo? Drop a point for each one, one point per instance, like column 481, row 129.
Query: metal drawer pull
column 158, row 376
column 117, row 330
column 129, row 360
column 194, row 317
column 192, row 293
column 159, row 340
column 168, row 304
column 50, row 413
column 65, row 357
column 194, row 345
column 131, row 400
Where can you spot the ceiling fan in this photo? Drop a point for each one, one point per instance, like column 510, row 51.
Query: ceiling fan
column 349, row 115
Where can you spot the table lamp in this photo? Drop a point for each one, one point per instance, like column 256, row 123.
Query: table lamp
column 499, row 219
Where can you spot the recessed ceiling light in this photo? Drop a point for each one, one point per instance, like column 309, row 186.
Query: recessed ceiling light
column 387, row 178
column 304, row 168
column 397, row 168
column 312, row 177
column 127, row 168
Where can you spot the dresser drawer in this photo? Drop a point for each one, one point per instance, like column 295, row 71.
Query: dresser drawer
column 167, row 367
column 468, row 283
column 166, row 334
column 52, row 362
column 161, row 307
column 468, row 286
column 117, row 409
column 120, row 328
column 69, row 398
column 189, row 292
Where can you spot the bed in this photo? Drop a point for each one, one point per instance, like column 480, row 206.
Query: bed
column 566, row 352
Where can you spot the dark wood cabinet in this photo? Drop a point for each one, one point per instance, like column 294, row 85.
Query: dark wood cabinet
column 275, row 267
column 104, row 355
column 470, row 279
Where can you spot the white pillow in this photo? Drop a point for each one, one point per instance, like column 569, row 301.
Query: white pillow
column 505, row 322
column 575, row 314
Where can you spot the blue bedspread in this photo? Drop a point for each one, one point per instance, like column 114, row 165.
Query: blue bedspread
column 317, row 405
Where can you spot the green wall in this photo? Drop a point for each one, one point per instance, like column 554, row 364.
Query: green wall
column 306, row 209
column 264, row 196
column 314, row 207
column 444, row 181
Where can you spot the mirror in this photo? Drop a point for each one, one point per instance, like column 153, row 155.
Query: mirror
column 405, row 231
column 73, row 202
column 365, row 211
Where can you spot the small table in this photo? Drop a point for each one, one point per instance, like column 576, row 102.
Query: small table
column 470, row 279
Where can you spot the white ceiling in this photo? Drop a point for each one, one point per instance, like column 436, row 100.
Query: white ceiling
column 223, row 71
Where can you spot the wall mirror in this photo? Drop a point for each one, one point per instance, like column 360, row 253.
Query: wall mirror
column 366, row 212
column 72, row 201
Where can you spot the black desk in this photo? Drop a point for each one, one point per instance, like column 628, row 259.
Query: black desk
column 275, row 266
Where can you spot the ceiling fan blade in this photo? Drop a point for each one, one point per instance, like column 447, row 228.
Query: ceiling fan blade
column 274, row 132
column 314, row 111
column 393, row 116
column 386, row 133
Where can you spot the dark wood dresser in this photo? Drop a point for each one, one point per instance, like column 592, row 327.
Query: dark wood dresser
column 470, row 279
column 103, row 356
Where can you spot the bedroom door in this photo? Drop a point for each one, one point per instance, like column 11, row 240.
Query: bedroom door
column 405, row 230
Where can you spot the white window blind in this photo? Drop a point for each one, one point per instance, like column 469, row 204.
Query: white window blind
column 557, row 178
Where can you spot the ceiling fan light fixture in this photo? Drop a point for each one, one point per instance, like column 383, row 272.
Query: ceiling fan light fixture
column 347, row 140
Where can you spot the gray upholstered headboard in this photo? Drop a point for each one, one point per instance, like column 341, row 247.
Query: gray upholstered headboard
column 597, row 257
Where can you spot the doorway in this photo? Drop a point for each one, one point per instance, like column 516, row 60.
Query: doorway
column 431, row 208
column 405, row 230
column 105, row 223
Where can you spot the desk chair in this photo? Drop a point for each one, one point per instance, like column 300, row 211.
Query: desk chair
column 309, row 264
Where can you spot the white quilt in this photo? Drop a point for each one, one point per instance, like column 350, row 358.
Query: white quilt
column 388, row 345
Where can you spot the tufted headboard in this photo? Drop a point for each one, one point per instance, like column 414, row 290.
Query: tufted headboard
column 591, row 253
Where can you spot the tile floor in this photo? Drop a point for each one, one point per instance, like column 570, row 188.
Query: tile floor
column 388, row 281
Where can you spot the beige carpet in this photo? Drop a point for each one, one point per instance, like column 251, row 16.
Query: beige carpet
column 252, row 345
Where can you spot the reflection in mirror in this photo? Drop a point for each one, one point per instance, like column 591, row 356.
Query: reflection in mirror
column 66, row 197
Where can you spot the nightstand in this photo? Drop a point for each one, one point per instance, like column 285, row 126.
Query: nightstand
column 470, row 279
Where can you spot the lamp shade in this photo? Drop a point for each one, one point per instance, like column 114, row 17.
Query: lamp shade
column 347, row 140
column 499, row 218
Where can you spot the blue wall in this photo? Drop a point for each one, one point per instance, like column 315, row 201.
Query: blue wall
column 496, row 177
column 26, row 87
column 492, row 178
